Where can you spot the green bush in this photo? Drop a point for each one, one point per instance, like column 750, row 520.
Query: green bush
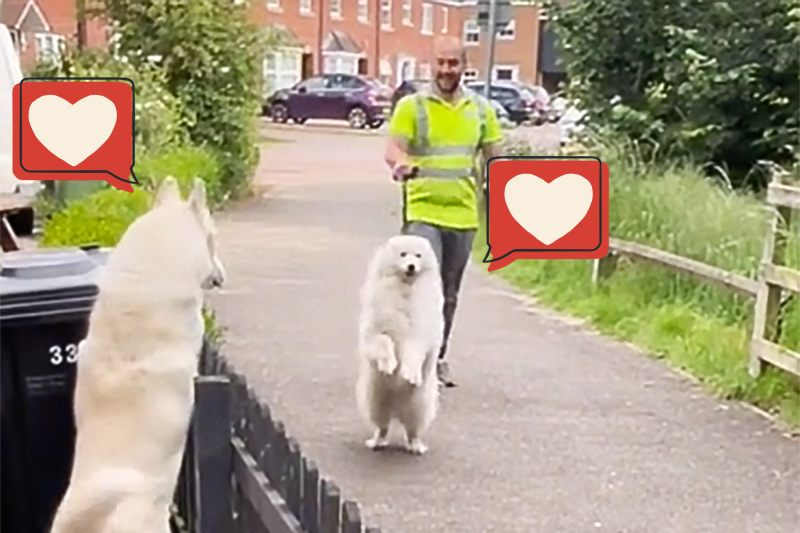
column 160, row 121
column 211, row 53
column 716, row 82
column 184, row 164
column 100, row 218
column 697, row 327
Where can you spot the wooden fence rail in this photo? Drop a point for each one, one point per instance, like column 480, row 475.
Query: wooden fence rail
column 767, row 291
column 242, row 472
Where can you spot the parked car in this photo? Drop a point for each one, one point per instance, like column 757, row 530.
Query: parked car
column 517, row 101
column 541, row 104
column 412, row 86
column 359, row 100
column 407, row 87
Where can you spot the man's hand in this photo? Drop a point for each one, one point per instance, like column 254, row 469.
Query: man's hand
column 398, row 160
column 403, row 171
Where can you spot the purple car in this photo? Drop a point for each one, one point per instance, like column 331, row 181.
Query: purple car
column 359, row 100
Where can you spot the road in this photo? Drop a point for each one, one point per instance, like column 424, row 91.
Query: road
column 552, row 429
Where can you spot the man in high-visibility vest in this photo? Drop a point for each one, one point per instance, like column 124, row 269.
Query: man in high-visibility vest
column 435, row 136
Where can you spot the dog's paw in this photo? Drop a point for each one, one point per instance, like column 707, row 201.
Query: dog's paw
column 386, row 365
column 416, row 447
column 412, row 375
column 377, row 442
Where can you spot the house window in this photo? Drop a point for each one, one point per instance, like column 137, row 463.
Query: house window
column 273, row 4
column 472, row 33
column 470, row 74
column 506, row 72
column 48, row 46
column 341, row 63
column 445, row 14
column 425, row 71
column 336, row 8
column 305, row 7
column 507, row 33
column 282, row 69
column 363, row 10
column 386, row 13
column 407, row 14
column 427, row 19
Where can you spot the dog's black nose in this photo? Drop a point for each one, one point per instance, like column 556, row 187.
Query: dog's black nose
column 410, row 269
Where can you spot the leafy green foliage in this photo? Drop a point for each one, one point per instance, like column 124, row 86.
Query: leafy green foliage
column 160, row 118
column 696, row 327
column 211, row 54
column 715, row 81
column 184, row 164
column 100, row 219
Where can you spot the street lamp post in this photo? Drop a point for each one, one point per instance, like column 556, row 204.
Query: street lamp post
column 492, row 31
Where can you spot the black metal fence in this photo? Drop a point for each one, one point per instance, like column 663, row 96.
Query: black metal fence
column 242, row 472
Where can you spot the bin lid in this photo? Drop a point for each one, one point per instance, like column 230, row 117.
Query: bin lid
column 49, row 280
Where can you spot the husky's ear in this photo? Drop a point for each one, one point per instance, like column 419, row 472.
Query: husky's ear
column 168, row 192
column 197, row 199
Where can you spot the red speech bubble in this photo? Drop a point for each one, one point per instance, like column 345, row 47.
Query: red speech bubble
column 546, row 208
column 74, row 129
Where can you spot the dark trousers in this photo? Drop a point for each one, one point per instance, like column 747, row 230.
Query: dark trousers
column 453, row 248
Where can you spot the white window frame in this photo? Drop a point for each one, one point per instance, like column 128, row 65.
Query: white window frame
column 306, row 7
column 52, row 48
column 273, row 5
column 386, row 14
column 335, row 63
column 335, row 9
column 283, row 77
column 408, row 12
column 445, row 19
column 513, row 68
column 363, row 11
column 509, row 32
column 471, row 28
column 470, row 74
column 424, row 71
column 426, row 27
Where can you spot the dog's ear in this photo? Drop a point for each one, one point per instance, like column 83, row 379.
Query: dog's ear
column 197, row 199
column 168, row 192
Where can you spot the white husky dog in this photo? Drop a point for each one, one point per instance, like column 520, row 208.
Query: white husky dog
column 134, row 392
column 400, row 333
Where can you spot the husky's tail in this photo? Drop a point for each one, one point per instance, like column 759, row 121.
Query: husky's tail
column 88, row 508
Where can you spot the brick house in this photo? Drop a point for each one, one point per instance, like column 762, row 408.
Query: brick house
column 387, row 39
column 390, row 39
column 40, row 27
column 517, row 45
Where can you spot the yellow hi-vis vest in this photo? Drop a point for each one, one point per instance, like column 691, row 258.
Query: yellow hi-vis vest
column 444, row 147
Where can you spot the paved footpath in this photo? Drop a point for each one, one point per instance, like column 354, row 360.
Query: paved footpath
column 552, row 429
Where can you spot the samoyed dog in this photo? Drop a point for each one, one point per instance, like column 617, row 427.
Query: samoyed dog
column 400, row 332
column 135, row 371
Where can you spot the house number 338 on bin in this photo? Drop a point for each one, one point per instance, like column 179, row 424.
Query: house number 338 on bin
column 68, row 353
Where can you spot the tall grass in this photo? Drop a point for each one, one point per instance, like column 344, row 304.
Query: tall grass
column 697, row 327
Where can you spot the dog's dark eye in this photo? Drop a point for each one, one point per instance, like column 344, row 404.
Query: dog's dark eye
column 402, row 254
column 419, row 256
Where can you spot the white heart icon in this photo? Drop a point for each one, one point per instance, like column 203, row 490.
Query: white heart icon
column 548, row 211
column 72, row 132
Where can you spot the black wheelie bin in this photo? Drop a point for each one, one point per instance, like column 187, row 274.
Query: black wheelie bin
column 46, row 297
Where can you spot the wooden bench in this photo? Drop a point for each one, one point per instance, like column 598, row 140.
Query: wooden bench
column 11, row 203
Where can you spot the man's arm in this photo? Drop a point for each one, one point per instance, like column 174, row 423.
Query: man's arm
column 490, row 145
column 402, row 128
column 492, row 136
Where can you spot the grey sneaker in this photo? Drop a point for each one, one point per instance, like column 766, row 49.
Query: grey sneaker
column 443, row 372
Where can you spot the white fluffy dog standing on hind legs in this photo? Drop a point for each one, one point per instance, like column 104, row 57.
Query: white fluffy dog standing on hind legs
column 134, row 392
column 400, row 333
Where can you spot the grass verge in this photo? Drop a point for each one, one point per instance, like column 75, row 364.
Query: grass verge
column 695, row 327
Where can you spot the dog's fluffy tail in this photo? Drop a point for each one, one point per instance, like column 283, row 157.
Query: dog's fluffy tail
column 92, row 503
